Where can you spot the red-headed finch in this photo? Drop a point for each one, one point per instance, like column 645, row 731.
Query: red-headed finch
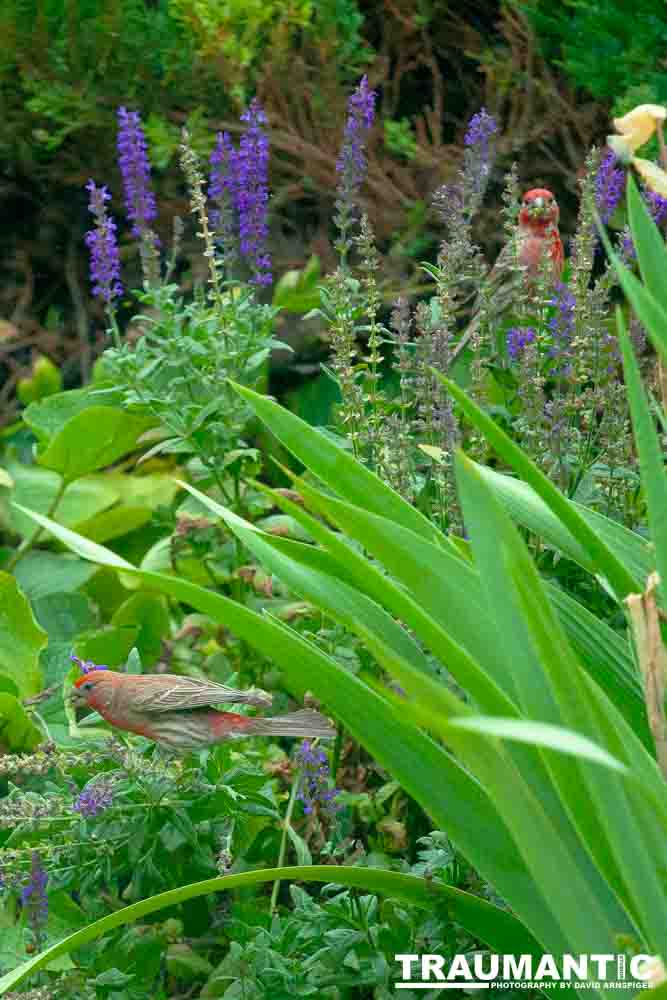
column 176, row 711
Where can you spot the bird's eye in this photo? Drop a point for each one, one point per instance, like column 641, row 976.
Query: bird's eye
column 88, row 686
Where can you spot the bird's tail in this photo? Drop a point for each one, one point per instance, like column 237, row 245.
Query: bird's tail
column 305, row 723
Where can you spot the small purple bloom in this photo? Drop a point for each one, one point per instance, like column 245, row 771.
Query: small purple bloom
column 87, row 665
column 657, row 206
column 103, row 246
column 314, row 779
column 352, row 165
column 94, row 799
column 135, row 169
column 34, row 897
column 609, row 185
column 562, row 324
column 249, row 170
column 480, row 129
column 221, row 191
column 518, row 337
column 480, row 152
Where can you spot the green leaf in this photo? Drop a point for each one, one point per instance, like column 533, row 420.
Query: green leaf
column 21, row 639
column 18, row 734
column 76, row 438
column 541, row 734
column 36, row 488
column 110, row 645
column 501, row 931
column 649, row 244
column 63, row 616
column 528, row 509
column 604, row 561
column 148, row 614
column 650, row 452
column 41, row 574
column 335, row 467
column 647, row 307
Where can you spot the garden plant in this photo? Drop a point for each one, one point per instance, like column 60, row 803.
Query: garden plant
column 280, row 702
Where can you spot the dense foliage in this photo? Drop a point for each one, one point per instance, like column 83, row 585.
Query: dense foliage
column 461, row 565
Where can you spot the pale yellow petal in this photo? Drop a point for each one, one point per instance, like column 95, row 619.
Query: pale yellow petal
column 621, row 148
column 640, row 124
column 653, row 176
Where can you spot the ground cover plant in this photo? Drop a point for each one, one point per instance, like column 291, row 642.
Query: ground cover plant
column 462, row 571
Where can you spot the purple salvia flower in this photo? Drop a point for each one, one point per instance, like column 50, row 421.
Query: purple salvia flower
column 221, row 191
column 87, row 665
column 352, row 165
column 314, row 779
column 518, row 337
column 135, row 169
column 609, row 185
column 94, row 799
column 34, row 897
column 562, row 325
column 480, row 129
column 103, row 247
column 250, row 167
column 657, row 206
column 479, row 153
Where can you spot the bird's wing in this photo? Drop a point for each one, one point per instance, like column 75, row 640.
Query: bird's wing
column 166, row 692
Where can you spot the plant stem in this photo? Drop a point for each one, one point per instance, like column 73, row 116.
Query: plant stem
column 283, row 843
column 28, row 543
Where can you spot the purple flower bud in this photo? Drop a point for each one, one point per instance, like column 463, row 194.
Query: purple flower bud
column 135, row 169
column 249, row 170
column 609, row 185
column 103, row 246
column 518, row 337
column 87, row 665
column 479, row 153
column 480, row 129
column 352, row 164
column 313, row 787
column 562, row 325
column 34, row 897
column 94, row 799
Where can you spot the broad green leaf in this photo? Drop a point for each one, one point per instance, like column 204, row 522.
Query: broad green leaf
column 528, row 509
column 541, row 734
column 454, row 597
column 114, row 523
column 147, row 613
column 649, row 244
column 21, row 639
column 603, row 559
column 76, row 438
column 335, row 467
column 63, row 616
column 314, row 575
column 647, row 306
column 611, row 824
column 109, row 645
column 18, row 733
column 649, row 450
column 40, row 574
column 496, row 927
column 607, row 658
column 37, row 488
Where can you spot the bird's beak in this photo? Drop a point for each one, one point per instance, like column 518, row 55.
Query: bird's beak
column 76, row 698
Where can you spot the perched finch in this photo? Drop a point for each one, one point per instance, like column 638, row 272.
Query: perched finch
column 538, row 238
column 175, row 711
